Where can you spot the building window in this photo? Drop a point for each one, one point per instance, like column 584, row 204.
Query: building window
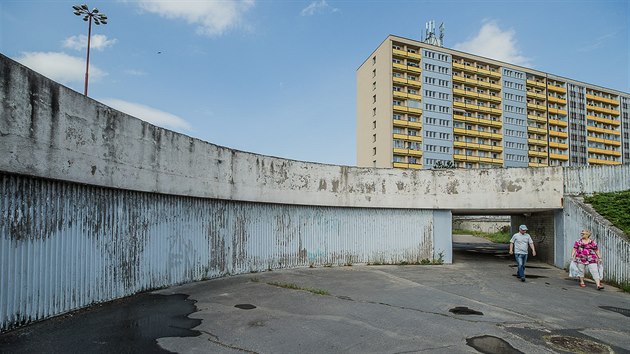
column 374, row 151
column 373, row 138
column 374, row 60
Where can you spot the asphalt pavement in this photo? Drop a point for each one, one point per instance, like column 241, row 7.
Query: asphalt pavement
column 474, row 305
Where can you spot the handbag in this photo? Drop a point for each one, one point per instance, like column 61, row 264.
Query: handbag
column 574, row 271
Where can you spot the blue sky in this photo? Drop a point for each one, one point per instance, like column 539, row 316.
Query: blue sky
column 278, row 77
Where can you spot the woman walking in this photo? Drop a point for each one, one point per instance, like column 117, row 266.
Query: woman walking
column 586, row 254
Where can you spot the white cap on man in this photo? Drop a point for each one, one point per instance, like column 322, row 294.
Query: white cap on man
column 522, row 227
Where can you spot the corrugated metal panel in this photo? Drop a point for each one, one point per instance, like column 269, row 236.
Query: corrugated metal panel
column 596, row 179
column 64, row 246
column 615, row 248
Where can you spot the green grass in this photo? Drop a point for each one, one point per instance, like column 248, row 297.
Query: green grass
column 615, row 207
column 296, row 287
column 497, row 237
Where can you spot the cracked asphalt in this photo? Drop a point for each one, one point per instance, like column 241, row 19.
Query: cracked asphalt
column 365, row 309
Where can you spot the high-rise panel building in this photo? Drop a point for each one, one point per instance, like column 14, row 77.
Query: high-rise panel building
column 420, row 105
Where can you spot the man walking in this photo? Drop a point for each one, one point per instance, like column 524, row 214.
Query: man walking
column 518, row 247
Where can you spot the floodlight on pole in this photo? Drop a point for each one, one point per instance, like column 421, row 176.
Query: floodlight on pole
column 89, row 16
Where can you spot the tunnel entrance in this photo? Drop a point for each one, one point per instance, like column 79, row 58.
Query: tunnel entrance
column 486, row 236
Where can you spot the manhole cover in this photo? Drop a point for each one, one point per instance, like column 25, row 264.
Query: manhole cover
column 577, row 345
column 245, row 306
column 625, row 312
column 492, row 345
column 461, row 310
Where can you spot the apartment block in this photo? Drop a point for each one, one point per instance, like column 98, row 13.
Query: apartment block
column 421, row 105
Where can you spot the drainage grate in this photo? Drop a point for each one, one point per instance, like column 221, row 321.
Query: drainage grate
column 461, row 310
column 576, row 345
column 625, row 312
column 492, row 345
column 245, row 306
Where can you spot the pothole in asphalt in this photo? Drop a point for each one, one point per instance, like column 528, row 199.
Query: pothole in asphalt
column 343, row 297
column 625, row 312
column 245, row 306
column 576, row 345
column 492, row 345
column 462, row 310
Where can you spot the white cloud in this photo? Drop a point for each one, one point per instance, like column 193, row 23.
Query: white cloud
column 134, row 72
column 317, row 7
column 146, row 113
column 493, row 42
column 98, row 42
column 60, row 67
column 211, row 17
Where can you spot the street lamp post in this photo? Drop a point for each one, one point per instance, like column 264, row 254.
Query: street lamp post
column 83, row 10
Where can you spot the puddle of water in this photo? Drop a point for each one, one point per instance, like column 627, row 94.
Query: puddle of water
column 462, row 310
column 130, row 325
column 492, row 345
column 625, row 312
column 245, row 306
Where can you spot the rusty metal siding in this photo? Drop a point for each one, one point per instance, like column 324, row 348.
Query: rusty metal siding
column 65, row 246
column 596, row 179
column 614, row 246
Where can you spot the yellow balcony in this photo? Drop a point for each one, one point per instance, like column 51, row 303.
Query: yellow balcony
column 497, row 161
column 604, row 141
column 559, row 157
column 602, row 99
column 537, row 130
column 605, row 152
column 415, row 124
column 400, row 136
column 537, row 153
column 604, row 120
column 558, row 134
column 400, row 151
column 485, row 159
column 414, row 69
column 414, row 138
column 414, row 110
column 540, row 96
column 399, row 80
column 602, row 130
column 400, row 108
column 459, row 78
column 400, row 123
column 414, row 166
column 557, row 111
column 415, row 152
column 562, row 146
column 555, row 88
column 398, row 52
column 542, row 119
column 414, row 83
column 595, row 161
column 602, row 110
column 414, row 55
column 536, row 107
column 540, row 84
column 559, row 123
column 399, row 66
column 557, row 100
column 414, row 96
column 537, row 142
column 492, row 123
column 399, row 94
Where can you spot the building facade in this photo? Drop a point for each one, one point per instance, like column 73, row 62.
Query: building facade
column 422, row 106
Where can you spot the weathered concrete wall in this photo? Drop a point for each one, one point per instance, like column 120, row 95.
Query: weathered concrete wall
column 50, row 131
column 615, row 247
column 65, row 245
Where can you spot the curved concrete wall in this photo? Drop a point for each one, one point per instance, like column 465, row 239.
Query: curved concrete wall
column 51, row 131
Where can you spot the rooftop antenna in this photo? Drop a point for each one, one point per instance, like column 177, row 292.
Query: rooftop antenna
column 430, row 36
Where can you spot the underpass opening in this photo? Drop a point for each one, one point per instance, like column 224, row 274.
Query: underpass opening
column 485, row 236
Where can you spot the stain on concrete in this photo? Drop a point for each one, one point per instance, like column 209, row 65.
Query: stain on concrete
column 322, row 184
column 335, row 186
column 451, row 187
column 129, row 325
column 510, row 186
column 400, row 185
